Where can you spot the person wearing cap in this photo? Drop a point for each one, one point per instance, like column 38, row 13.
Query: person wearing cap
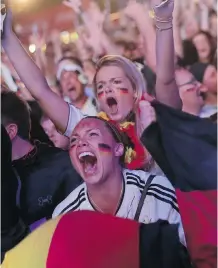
column 73, row 82
column 97, row 152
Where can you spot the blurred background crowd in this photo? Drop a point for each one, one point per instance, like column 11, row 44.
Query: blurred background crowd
column 87, row 30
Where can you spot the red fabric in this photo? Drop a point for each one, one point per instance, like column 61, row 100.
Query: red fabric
column 198, row 210
column 88, row 239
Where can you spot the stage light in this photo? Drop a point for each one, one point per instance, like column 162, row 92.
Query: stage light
column 74, row 36
column 32, row 48
column 65, row 37
column 44, row 47
column 151, row 14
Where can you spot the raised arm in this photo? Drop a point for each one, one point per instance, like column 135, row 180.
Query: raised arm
column 56, row 108
column 140, row 14
column 166, row 88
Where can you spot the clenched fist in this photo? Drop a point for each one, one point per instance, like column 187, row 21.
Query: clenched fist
column 145, row 116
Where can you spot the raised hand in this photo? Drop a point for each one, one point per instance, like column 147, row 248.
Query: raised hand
column 37, row 39
column 55, row 36
column 145, row 115
column 3, row 15
column 163, row 9
column 208, row 3
column 73, row 4
column 95, row 16
column 7, row 26
column 134, row 9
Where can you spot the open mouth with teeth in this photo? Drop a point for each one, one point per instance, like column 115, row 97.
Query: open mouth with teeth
column 112, row 104
column 71, row 89
column 89, row 163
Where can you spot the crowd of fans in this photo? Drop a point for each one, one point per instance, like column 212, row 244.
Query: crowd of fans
column 122, row 122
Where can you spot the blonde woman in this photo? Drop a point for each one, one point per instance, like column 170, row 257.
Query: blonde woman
column 119, row 86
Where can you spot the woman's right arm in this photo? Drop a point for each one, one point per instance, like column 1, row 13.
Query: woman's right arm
column 55, row 107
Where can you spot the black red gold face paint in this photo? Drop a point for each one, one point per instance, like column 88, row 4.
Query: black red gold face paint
column 104, row 147
column 124, row 90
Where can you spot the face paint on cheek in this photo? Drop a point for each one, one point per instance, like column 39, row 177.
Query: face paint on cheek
column 71, row 147
column 123, row 90
column 100, row 94
column 104, row 148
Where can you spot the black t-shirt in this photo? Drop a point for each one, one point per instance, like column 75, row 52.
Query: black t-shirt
column 46, row 178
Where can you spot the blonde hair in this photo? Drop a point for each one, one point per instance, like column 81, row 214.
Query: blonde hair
column 130, row 70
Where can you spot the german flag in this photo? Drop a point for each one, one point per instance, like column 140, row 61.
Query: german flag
column 185, row 148
column 87, row 239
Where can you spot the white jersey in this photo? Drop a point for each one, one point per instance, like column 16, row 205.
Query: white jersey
column 160, row 202
column 75, row 116
column 89, row 108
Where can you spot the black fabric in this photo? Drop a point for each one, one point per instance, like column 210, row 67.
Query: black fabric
column 198, row 70
column 160, row 247
column 9, row 185
column 13, row 229
column 151, row 139
column 185, row 148
column 37, row 132
column 47, row 178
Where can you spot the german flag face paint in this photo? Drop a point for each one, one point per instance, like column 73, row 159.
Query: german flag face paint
column 124, row 90
column 104, row 148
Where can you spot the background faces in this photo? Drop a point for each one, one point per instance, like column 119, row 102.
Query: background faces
column 191, row 91
column 203, row 47
column 210, row 79
column 71, row 86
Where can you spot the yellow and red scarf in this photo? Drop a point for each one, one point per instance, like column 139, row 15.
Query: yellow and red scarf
column 136, row 155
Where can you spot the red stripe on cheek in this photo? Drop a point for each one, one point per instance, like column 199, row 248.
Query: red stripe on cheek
column 100, row 94
column 71, row 147
column 104, row 148
column 124, row 90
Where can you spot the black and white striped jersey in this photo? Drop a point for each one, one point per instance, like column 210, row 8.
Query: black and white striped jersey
column 160, row 202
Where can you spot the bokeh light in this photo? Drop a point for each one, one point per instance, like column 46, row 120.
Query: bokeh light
column 32, row 48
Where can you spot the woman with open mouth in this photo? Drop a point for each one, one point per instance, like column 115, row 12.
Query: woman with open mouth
column 97, row 152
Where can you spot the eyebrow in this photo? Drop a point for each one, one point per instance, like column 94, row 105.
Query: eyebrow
column 88, row 130
column 113, row 78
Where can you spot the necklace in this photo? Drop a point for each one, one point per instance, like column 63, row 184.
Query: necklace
column 99, row 209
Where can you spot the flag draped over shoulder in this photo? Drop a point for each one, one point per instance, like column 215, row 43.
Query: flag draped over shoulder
column 185, row 147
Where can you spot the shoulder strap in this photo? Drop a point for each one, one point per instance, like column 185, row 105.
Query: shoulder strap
column 143, row 196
